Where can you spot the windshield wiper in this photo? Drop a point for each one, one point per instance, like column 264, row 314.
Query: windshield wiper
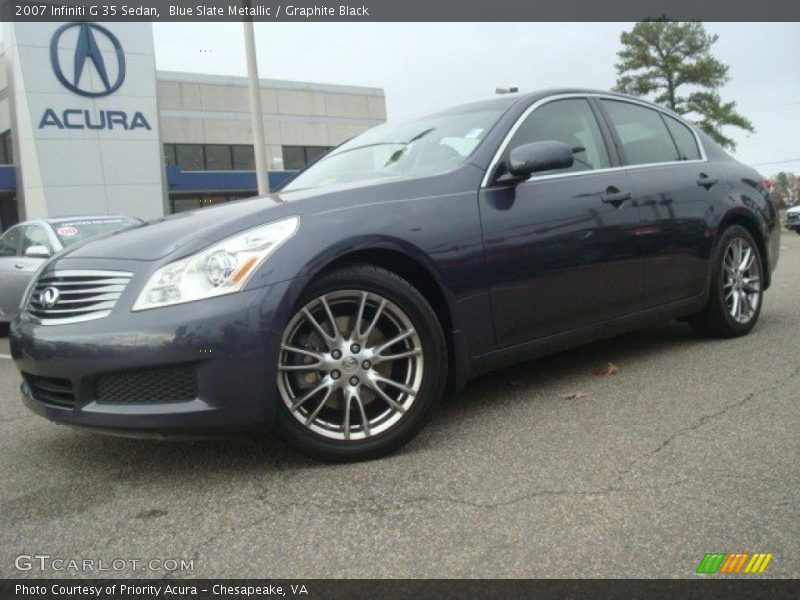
column 398, row 154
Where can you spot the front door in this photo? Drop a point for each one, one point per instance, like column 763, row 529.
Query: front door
column 10, row 265
column 561, row 247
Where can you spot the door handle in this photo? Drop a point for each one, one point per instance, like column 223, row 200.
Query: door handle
column 19, row 266
column 615, row 196
column 706, row 181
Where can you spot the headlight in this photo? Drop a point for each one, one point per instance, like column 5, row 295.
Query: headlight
column 223, row 268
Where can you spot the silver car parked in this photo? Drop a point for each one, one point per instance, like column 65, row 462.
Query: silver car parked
column 25, row 246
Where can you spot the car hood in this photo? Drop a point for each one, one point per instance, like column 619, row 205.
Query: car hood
column 188, row 230
column 182, row 234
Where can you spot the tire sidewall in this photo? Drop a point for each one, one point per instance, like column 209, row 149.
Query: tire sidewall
column 422, row 316
column 717, row 291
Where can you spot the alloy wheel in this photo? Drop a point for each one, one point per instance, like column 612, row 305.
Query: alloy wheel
column 350, row 365
column 741, row 280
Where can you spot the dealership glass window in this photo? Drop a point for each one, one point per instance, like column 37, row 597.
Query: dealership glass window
column 243, row 157
column 8, row 212
column 684, row 139
column 218, row 157
column 294, row 157
column 10, row 241
column 169, row 154
column 297, row 157
column 6, row 153
column 571, row 122
column 184, row 203
column 642, row 132
column 190, row 157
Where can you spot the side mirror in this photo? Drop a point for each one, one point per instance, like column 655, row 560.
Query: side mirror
column 37, row 252
column 539, row 156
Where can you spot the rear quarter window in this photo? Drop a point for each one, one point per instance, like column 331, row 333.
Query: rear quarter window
column 684, row 139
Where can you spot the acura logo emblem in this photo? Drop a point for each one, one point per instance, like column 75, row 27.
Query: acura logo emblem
column 88, row 50
column 48, row 297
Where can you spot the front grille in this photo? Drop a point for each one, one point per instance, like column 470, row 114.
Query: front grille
column 147, row 386
column 64, row 297
column 51, row 390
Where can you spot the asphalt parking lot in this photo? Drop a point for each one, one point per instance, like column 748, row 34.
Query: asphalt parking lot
column 692, row 447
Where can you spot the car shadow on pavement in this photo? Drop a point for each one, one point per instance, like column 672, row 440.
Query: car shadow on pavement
column 581, row 361
column 260, row 454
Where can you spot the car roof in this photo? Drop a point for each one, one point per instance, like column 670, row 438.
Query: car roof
column 509, row 100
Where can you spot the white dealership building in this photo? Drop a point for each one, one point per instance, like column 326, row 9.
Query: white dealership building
column 89, row 126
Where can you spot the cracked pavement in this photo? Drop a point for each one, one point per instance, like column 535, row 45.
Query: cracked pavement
column 693, row 447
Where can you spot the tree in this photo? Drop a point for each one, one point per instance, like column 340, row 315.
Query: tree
column 673, row 62
column 785, row 190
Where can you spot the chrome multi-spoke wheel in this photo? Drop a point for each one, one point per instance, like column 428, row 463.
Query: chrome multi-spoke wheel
column 741, row 280
column 351, row 365
column 736, row 286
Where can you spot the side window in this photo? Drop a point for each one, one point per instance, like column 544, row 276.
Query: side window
column 684, row 139
column 34, row 236
column 571, row 122
column 9, row 242
column 642, row 132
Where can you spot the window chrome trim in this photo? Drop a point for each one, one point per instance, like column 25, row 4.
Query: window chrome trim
column 585, row 96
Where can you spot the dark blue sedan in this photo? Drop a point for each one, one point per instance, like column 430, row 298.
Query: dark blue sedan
column 398, row 266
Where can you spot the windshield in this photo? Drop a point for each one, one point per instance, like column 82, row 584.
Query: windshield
column 426, row 146
column 72, row 232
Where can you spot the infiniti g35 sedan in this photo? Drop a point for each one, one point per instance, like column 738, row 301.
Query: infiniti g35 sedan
column 403, row 263
column 25, row 246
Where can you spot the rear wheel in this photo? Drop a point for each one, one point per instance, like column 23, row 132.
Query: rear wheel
column 362, row 365
column 734, row 304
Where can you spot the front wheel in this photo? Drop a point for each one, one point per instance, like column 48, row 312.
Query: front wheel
column 734, row 304
column 362, row 365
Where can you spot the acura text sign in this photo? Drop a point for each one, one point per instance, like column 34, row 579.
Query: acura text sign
column 85, row 118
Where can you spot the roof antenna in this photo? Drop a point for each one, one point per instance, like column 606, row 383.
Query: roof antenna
column 512, row 89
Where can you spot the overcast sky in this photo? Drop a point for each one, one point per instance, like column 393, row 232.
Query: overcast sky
column 427, row 66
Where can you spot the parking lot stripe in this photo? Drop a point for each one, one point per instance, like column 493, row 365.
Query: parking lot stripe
column 6, row 356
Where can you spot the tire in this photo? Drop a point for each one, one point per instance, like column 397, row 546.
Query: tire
column 353, row 299
column 718, row 319
column 4, row 329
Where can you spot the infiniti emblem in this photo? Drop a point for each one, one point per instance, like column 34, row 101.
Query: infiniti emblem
column 349, row 364
column 48, row 297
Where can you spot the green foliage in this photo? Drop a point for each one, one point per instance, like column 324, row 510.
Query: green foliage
column 672, row 62
column 785, row 191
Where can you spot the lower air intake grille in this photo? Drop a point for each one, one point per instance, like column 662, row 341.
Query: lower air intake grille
column 147, row 386
column 51, row 390
column 62, row 297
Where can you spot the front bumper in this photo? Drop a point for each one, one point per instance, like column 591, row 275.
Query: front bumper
column 230, row 344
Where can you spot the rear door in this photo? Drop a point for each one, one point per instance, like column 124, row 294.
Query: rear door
column 560, row 247
column 675, row 188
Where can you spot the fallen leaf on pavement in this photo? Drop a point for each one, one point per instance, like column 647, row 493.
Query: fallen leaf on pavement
column 574, row 396
column 609, row 369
